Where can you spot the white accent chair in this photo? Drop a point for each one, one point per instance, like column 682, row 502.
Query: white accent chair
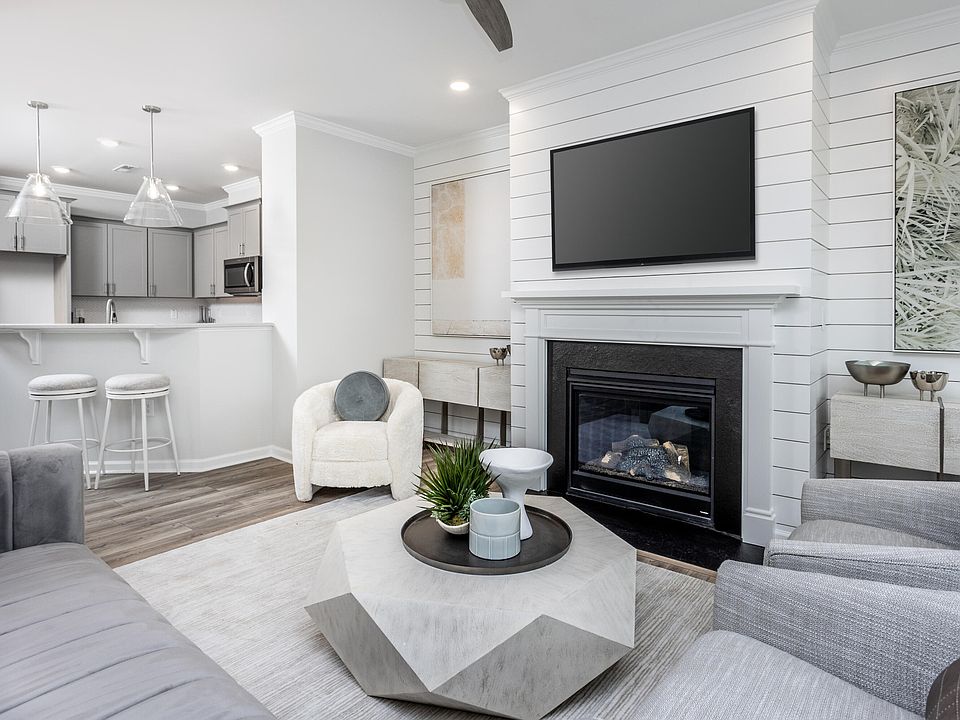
column 330, row 452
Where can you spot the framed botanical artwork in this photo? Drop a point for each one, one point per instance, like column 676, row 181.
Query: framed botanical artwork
column 927, row 219
column 470, row 256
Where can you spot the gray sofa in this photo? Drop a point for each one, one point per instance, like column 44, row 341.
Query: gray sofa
column 904, row 532
column 75, row 640
column 793, row 645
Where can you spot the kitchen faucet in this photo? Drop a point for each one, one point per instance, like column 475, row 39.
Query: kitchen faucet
column 111, row 311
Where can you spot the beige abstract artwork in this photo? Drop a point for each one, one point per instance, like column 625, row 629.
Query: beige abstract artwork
column 449, row 230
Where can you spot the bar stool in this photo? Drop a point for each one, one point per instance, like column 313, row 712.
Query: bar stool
column 142, row 387
column 79, row 387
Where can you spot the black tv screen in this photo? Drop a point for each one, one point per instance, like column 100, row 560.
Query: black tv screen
column 674, row 194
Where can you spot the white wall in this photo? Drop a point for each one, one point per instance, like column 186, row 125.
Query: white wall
column 765, row 60
column 338, row 276
column 866, row 70
column 483, row 152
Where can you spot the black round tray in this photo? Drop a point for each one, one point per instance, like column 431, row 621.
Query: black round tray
column 431, row 544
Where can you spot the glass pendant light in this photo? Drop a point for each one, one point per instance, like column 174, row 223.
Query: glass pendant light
column 152, row 207
column 38, row 201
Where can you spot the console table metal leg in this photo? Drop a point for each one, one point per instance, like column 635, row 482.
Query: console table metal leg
column 480, row 423
column 842, row 468
column 503, row 428
column 444, row 418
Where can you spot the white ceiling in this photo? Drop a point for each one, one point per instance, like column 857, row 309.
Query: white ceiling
column 218, row 67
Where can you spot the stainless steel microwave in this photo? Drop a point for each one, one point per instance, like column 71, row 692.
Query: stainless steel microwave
column 241, row 276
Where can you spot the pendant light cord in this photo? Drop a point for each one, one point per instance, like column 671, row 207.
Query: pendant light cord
column 38, row 139
column 152, row 173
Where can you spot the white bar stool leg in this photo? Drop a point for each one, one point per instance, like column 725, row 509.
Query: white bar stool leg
column 146, row 461
column 173, row 439
column 133, row 434
column 46, row 428
column 33, row 423
column 93, row 419
column 103, row 445
column 83, row 443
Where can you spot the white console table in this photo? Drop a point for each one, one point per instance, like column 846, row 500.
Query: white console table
column 462, row 382
column 900, row 432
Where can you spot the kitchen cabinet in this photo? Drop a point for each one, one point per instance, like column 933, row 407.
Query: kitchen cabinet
column 108, row 259
column 169, row 263
column 89, row 258
column 18, row 236
column 243, row 230
column 127, row 260
column 210, row 248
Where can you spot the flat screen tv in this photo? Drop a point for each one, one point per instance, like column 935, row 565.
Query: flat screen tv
column 674, row 194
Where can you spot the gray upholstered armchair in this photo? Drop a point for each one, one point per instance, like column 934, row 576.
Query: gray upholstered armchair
column 41, row 496
column 904, row 532
column 789, row 645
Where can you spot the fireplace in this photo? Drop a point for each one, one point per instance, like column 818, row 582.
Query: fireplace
column 654, row 428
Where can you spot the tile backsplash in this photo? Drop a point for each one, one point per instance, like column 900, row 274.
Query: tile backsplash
column 165, row 311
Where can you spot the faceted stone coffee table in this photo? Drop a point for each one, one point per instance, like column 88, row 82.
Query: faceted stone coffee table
column 511, row 645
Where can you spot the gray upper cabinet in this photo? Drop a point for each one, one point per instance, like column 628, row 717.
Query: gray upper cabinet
column 210, row 247
column 127, row 260
column 169, row 263
column 243, row 228
column 204, row 271
column 108, row 259
column 88, row 258
column 30, row 237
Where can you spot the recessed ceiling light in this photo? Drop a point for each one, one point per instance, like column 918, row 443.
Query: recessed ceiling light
column 60, row 169
column 230, row 167
column 107, row 142
column 173, row 188
column 460, row 86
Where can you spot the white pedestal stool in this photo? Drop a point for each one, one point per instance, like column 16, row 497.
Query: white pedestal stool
column 142, row 387
column 47, row 389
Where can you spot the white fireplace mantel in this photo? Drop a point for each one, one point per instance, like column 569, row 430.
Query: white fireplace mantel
column 740, row 317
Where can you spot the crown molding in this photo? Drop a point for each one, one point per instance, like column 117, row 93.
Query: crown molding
column 491, row 133
column 78, row 191
column 723, row 28
column 243, row 191
column 295, row 118
column 896, row 30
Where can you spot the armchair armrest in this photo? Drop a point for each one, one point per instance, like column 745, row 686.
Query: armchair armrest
column 915, row 567
column 926, row 509
column 888, row 640
column 41, row 496
column 404, row 437
column 311, row 411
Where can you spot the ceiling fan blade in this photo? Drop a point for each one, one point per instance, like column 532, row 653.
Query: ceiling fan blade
column 493, row 19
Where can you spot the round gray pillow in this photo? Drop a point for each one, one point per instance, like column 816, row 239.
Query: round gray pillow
column 361, row 396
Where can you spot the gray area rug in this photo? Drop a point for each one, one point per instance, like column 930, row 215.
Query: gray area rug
column 239, row 596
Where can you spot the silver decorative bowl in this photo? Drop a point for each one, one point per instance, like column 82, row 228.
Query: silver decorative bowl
column 498, row 354
column 877, row 372
column 932, row 381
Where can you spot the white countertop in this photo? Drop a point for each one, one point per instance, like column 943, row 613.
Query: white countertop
column 108, row 327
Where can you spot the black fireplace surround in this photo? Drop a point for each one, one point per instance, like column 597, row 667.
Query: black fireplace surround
column 654, row 428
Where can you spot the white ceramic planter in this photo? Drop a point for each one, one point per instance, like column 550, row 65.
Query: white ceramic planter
column 495, row 528
column 462, row 529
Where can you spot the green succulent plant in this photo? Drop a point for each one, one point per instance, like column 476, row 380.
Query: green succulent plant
column 455, row 480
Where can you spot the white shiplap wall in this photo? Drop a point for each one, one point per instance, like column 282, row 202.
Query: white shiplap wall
column 768, row 60
column 866, row 70
column 476, row 154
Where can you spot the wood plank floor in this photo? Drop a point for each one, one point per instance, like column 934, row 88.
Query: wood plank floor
column 124, row 523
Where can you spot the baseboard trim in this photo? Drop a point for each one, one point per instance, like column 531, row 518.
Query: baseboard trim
column 284, row 454
column 121, row 466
